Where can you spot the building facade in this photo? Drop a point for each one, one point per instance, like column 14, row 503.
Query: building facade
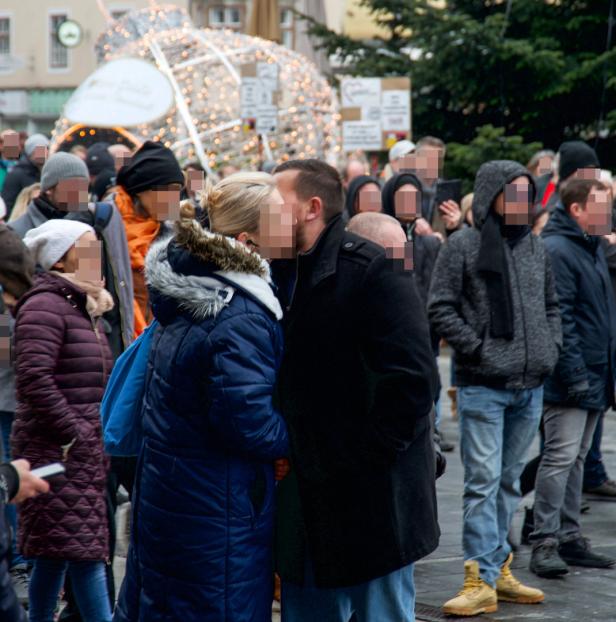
column 38, row 72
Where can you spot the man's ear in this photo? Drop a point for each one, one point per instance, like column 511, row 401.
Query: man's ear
column 315, row 209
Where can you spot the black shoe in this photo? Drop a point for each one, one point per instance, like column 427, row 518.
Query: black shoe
column 528, row 526
column 578, row 553
column 546, row 562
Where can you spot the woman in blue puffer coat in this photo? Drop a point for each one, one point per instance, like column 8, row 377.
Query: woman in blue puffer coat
column 204, row 498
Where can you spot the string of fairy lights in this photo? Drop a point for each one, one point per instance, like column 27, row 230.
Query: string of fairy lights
column 206, row 65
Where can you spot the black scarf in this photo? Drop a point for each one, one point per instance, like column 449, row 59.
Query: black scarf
column 50, row 211
column 492, row 265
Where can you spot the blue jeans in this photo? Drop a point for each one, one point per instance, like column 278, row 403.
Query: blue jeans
column 594, row 469
column 10, row 511
column 387, row 599
column 497, row 427
column 89, row 586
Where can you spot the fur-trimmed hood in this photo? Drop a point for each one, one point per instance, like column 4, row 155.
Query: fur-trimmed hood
column 191, row 282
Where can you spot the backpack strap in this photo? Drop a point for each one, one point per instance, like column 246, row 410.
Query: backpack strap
column 102, row 216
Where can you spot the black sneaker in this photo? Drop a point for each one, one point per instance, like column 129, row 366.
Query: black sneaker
column 578, row 553
column 528, row 526
column 546, row 562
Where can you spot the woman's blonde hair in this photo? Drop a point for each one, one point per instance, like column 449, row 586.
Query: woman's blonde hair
column 234, row 204
column 23, row 200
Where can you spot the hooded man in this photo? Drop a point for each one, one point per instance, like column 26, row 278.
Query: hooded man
column 101, row 166
column 27, row 171
column 363, row 195
column 493, row 299
column 581, row 388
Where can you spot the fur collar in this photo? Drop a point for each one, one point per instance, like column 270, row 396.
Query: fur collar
column 206, row 296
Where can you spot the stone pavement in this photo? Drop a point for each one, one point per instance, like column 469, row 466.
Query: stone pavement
column 581, row 596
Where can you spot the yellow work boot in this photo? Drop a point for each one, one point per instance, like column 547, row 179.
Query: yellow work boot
column 509, row 589
column 475, row 597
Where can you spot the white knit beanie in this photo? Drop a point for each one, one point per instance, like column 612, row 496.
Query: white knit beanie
column 53, row 239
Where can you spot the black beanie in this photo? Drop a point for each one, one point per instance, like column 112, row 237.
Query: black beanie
column 392, row 186
column 575, row 154
column 152, row 166
column 98, row 158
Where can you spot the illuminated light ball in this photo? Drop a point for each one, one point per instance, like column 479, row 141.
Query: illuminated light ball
column 206, row 65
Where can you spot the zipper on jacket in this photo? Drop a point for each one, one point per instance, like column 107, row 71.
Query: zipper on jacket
column 517, row 280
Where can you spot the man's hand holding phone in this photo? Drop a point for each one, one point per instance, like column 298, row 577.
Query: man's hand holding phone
column 29, row 485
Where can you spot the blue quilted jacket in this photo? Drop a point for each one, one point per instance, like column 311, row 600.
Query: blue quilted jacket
column 204, row 498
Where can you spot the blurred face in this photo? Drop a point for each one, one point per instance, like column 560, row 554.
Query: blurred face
column 407, row 203
column 398, row 248
column 39, row 156
column 10, row 145
column 83, row 259
column 302, row 210
column 276, row 236
column 354, row 169
column 544, row 166
column 429, row 163
column 514, row 203
column 368, row 199
column 405, row 164
column 162, row 203
column 195, row 182
column 596, row 217
column 70, row 195
column 121, row 155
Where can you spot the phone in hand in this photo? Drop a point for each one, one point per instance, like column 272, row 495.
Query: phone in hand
column 49, row 471
column 448, row 190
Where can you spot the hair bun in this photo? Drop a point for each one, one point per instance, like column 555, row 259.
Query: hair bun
column 187, row 211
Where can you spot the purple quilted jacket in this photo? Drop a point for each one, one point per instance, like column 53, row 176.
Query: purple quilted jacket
column 62, row 366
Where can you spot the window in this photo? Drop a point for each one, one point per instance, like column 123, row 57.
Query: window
column 117, row 13
column 5, row 36
column 58, row 54
column 225, row 17
column 286, row 27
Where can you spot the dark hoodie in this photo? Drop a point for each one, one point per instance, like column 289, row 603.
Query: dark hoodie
column 353, row 190
column 459, row 306
column 588, row 313
column 425, row 247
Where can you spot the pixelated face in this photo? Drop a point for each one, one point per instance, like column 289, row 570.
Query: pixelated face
column 544, row 166
column 517, row 199
column 10, row 145
column 368, row 199
column 429, row 163
column 88, row 254
column 405, row 164
column 398, row 249
column 195, row 181
column 162, row 203
column 5, row 341
column 598, row 213
column 277, row 229
column 587, row 173
column 407, row 201
column 39, row 155
column 70, row 195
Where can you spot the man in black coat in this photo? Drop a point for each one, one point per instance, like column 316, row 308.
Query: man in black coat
column 356, row 386
column 582, row 385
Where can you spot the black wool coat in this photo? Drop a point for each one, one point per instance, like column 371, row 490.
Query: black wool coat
column 356, row 387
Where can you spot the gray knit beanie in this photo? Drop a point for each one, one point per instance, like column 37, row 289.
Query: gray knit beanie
column 36, row 140
column 60, row 166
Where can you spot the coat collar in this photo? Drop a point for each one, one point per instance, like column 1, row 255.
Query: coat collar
column 322, row 258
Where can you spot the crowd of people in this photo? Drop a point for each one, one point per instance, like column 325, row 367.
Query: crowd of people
column 289, row 422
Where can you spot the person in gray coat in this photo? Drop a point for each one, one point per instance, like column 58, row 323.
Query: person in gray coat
column 493, row 299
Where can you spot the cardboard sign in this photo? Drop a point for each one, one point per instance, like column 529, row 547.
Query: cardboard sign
column 376, row 112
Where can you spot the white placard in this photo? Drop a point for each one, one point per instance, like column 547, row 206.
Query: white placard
column 124, row 92
column 267, row 118
column 250, row 94
column 396, row 110
column 267, row 74
column 360, row 92
column 361, row 135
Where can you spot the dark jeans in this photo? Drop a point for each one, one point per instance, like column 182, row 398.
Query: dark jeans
column 6, row 423
column 89, row 585
column 594, row 469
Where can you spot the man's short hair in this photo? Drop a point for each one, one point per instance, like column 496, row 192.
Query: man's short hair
column 317, row 179
column 578, row 190
column 431, row 141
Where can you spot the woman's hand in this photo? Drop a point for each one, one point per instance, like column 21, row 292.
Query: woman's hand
column 282, row 467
